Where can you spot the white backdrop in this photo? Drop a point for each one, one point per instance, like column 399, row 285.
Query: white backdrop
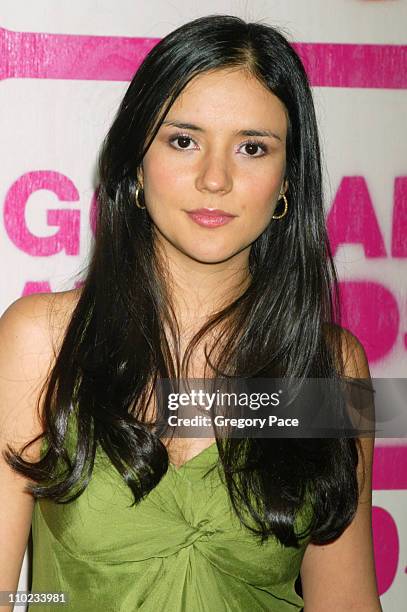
column 52, row 121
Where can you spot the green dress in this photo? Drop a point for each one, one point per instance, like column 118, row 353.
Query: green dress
column 181, row 549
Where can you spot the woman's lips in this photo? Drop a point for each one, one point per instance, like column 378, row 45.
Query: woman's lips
column 210, row 219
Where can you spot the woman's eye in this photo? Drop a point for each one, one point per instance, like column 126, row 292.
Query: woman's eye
column 253, row 147
column 182, row 140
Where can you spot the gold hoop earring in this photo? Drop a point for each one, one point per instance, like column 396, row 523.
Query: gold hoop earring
column 137, row 192
column 285, row 208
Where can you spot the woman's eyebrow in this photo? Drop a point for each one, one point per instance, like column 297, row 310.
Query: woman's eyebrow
column 252, row 132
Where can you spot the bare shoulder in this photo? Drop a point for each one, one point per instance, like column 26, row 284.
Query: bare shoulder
column 31, row 331
column 33, row 326
column 352, row 355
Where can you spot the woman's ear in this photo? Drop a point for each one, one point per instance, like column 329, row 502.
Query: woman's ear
column 284, row 188
column 139, row 176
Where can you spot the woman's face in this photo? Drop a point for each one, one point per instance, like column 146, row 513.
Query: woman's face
column 211, row 163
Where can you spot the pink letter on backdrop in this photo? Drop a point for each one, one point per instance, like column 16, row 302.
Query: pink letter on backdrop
column 68, row 221
column 371, row 312
column 42, row 287
column 38, row 55
column 352, row 219
column 386, row 547
column 389, row 468
column 389, row 473
column 36, row 287
column 93, row 212
column 399, row 230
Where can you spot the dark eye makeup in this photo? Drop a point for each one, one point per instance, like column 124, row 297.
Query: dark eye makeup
column 252, row 142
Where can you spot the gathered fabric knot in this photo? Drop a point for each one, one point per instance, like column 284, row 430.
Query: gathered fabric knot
column 205, row 532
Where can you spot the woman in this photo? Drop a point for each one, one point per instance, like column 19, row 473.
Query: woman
column 218, row 117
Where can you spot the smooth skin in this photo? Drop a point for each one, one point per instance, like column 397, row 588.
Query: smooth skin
column 212, row 165
column 209, row 165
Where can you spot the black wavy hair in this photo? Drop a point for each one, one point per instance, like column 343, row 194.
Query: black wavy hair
column 286, row 323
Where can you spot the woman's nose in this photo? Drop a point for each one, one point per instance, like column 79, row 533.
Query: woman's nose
column 214, row 173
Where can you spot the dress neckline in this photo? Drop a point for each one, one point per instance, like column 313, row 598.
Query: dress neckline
column 196, row 458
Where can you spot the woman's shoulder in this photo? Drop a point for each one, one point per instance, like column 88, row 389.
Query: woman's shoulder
column 39, row 319
column 31, row 330
column 349, row 351
column 59, row 310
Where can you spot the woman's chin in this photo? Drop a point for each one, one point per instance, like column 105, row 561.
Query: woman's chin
column 210, row 256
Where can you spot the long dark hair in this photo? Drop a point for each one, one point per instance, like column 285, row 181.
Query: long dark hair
column 286, row 320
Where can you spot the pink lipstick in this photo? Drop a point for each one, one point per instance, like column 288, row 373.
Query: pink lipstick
column 210, row 217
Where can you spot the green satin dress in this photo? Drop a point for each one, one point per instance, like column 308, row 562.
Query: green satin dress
column 181, row 549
